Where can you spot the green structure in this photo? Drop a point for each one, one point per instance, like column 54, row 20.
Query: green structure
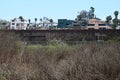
column 64, row 23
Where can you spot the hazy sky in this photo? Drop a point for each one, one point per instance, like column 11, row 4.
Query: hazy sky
column 55, row 9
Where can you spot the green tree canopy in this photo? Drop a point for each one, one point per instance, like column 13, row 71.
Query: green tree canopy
column 29, row 20
column 79, row 17
column 108, row 19
column 51, row 20
column 116, row 13
column 115, row 20
column 35, row 20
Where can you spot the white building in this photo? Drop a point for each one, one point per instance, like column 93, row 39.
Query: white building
column 45, row 23
column 18, row 24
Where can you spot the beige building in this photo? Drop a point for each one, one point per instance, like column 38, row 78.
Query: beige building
column 97, row 24
column 92, row 24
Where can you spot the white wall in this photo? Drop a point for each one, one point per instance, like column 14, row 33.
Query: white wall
column 17, row 24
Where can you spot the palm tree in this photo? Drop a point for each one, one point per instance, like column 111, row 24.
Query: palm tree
column 115, row 21
column 116, row 14
column 51, row 21
column 29, row 21
column 40, row 19
column 35, row 21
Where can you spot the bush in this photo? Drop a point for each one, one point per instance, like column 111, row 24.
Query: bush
column 9, row 46
column 79, row 62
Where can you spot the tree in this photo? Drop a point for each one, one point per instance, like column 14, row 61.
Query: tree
column 108, row 20
column 84, row 22
column 116, row 14
column 35, row 22
column 83, row 14
column 40, row 19
column 79, row 17
column 91, row 13
column 115, row 23
column 51, row 21
column 92, row 9
column 21, row 18
column 116, row 20
column 29, row 21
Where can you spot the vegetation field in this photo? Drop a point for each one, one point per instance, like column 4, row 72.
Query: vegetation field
column 58, row 60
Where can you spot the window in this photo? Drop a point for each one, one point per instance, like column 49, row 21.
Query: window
column 17, row 25
column 75, row 25
column 101, row 24
column 91, row 24
column 13, row 20
column 67, row 24
column 102, row 28
column 12, row 27
column 22, row 24
column 90, row 28
column 4, row 23
column 75, row 22
column 13, row 23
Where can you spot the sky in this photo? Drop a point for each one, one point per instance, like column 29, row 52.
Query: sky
column 56, row 9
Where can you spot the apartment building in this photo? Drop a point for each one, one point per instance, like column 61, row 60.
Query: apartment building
column 97, row 24
column 18, row 24
column 46, row 23
column 92, row 24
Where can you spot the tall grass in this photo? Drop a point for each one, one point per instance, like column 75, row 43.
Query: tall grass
column 59, row 61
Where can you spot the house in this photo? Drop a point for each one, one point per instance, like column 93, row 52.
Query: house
column 18, row 24
column 97, row 24
column 94, row 23
column 46, row 23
